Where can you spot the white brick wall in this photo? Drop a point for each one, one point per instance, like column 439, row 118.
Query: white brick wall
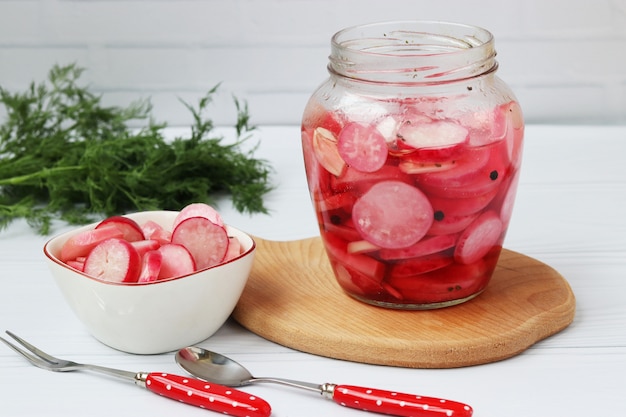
column 565, row 59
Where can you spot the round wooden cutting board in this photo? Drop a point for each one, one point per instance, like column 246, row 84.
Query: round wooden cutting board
column 292, row 299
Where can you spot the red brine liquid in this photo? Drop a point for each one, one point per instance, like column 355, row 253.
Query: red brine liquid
column 413, row 208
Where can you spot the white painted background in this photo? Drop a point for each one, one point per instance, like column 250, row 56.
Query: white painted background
column 565, row 59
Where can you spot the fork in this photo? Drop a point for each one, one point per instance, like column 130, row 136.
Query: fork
column 191, row 391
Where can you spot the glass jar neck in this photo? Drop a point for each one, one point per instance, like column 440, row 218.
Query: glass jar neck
column 412, row 53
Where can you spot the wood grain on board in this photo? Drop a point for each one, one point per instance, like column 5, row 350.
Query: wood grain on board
column 292, row 298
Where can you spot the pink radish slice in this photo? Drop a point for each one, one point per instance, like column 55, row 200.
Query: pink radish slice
column 198, row 210
column 479, row 238
column 464, row 171
column 153, row 230
column 362, row 147
column 149, row 227
column 417, row 266
column 515, row 133
column 410, row 166
column 344, row 231
column 451, row 224
column 82, row 243
column 461, row 206
column 353, row 180
column 480, row 171
column 426, row 246
column 506, row 208
column 452, row 282
column 356, row 282
column 176, row 261
column 144, row 246
column 162, row 236
column 131, row 230
column 392, row 214
column 206, row 241
column 234, row 248
column 114, row 260
column 151, row 266
column 77, row 265
column 433, row 141
column 372, row 270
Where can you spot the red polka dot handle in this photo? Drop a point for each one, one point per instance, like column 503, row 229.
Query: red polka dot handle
column 398, row 404
column 207, row 395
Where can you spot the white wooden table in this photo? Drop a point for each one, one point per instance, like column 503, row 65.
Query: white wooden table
column 570, row 214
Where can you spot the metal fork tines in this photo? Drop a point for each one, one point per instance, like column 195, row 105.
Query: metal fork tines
column 43, row 360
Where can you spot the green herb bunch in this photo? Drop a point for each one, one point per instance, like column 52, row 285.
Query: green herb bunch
column 63, row 155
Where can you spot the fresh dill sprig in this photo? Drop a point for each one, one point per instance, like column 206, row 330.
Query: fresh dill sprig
column 63, row 155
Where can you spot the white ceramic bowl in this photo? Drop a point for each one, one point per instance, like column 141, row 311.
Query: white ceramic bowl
column 156, row 317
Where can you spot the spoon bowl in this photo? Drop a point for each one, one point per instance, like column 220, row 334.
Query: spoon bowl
column 200, row 361
column 216, row 367
column 220, row 369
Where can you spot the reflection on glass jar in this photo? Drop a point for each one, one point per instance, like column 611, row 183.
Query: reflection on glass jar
column 412, row 149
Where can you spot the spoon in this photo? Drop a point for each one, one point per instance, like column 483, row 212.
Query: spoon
column 220, row 369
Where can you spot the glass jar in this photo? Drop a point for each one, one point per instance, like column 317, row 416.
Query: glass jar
column 412, row 149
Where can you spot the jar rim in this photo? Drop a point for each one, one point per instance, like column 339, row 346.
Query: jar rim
column 417, row 51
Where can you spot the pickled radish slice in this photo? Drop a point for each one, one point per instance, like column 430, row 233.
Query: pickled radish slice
column 417, row 266
column 144, row 246
column 82, row 243
column 479, row 238
column 362, row 147
column 439, row 140
column 206, row 241
column 506, row 205
column 392, row 214
column 409, row 166
column 461, row 206
column 364, row 266
column 198, row 210
column 154, row 231
column 356, row 283
column 345, row 232
column 449, row 283
column 337, row 201
column 354, row 181
column 149, row 228
column 234, row 248
column 449, row 224
column 478, row 173
column 150, row 266
column 465, row 170
column 427, row 246
column 114, row 260
column 326, row 151
column 77, row 265
column 515, row 132
column 131, row 230
column 176, row 261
